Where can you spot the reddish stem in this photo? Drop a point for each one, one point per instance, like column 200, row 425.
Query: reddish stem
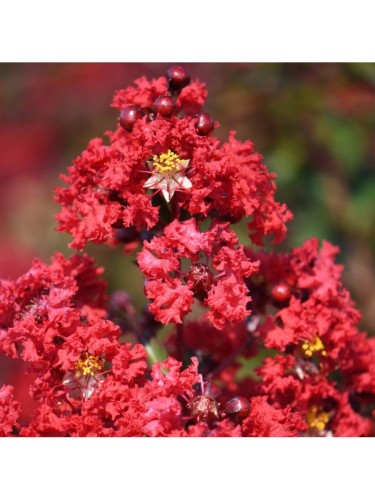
column 229, row 360
column 175, row 208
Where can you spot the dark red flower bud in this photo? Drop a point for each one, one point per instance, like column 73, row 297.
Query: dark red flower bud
column 281, row 293
column 238, row 407
column 164, row 105
column 204, row 409
column 205, row 124
column 127, row 234
column 129, row 116
column 177, row 77
column 199, row 278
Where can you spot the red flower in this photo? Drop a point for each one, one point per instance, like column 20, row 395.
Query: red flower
column 266, row 421
column 108, row 185
column 227, row 297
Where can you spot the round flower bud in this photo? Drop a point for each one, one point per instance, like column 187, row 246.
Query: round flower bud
column 164, row 105
column 281, row 293
column 177, row 77
column 199, row 279
column 204, row 409
column 238, row 407
column 129, row 116
column 205, row 124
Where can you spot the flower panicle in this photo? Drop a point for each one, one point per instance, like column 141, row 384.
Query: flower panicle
column 233, row 340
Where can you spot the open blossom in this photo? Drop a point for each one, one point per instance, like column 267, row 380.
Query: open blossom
column 315, row 330
column 319, row 320
column 55, row 325
column 168, row 174
column 172, row 292
column 78, row 361
column 109, row 185
column 135, row 407
column 87, row 381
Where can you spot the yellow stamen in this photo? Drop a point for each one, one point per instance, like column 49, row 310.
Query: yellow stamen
column 313, row 346
column 88, row 365
column 317, row 419
column 167, row 163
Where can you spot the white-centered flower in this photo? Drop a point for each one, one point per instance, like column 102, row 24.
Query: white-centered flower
column 168, row 174
column 86, row 378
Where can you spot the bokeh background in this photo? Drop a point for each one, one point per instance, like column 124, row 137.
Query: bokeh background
column 314, row 124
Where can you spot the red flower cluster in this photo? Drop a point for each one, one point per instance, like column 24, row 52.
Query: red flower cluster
column 325, row 369
column 225, row 292
column 86, row 381
column 153, row 160
column 295, row 364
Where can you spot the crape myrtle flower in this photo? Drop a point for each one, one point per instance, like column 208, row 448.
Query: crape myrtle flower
column 319, row 323
column 324, row 360
column 153, row 160
column 265, row 420
column 317, row 319
column 51, row 319
column 323, row 404
column 86, row 381
column 132, row 406
column 168, row 174
column 172, row 293
column 45, row 301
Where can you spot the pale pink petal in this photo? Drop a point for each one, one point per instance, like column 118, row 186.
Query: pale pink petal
column 186, row 184
column 152, row 182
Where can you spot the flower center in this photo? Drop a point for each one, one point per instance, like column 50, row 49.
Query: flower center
column 88, row 365
column 313, row 346
column 167, row 163
column 317, row 419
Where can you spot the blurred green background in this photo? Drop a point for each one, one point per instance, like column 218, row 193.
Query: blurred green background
column 314, row 124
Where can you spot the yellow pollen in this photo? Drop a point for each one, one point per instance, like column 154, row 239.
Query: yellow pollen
column 88, row 365
column 167, row 163
column 317, row 419
column 313, row 346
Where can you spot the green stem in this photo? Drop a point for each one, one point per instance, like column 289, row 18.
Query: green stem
column 155, row 352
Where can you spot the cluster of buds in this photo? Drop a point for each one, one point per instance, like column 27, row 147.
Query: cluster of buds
column 165, row 105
